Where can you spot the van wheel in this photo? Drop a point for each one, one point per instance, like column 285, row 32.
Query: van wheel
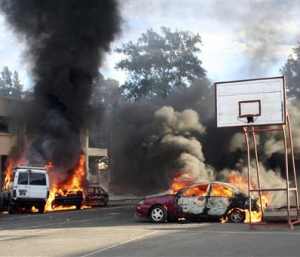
column 41, row 208
column 12, row 209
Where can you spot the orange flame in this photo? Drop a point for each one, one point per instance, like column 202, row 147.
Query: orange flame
column 75, row 183
column 241, row 182
column 181, row 180
column 8, row 175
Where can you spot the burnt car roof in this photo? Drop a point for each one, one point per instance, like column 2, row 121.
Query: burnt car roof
column 233, row 187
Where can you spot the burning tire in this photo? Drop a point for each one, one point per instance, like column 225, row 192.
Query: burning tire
column 236, row 216
column 158, row 214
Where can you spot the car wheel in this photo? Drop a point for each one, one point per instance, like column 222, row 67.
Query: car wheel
column 105, row 203
column 236, row 216
column 12, row 209
column 78, row 206
column 158, row 214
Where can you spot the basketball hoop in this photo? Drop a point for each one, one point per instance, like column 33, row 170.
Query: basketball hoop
column 255, row 102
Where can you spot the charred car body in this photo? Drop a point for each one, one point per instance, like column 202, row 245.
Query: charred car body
column 94, row 196
column 213, row 200
column 71, row 198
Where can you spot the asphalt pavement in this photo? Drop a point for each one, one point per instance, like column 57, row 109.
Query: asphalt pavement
column 113, row 231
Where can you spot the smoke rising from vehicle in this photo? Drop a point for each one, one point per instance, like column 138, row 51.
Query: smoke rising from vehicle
column 65, row 41
column 274, row 143
column 156, row 144
column 268, row 179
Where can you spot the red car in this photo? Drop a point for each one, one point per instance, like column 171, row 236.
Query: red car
column 205, row 200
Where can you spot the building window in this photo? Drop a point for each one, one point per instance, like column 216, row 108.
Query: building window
column 98, row 136
column 4, row 124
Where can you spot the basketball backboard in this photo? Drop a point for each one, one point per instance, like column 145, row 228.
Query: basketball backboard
column 250, row 102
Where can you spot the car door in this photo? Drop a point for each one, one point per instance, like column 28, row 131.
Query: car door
column 219, row 199
column 192, row 201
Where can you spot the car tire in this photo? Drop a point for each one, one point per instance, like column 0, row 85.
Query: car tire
column 12, row 209
column 78, row 206
column 158, row 214
column 105, row 203
column 236, row 216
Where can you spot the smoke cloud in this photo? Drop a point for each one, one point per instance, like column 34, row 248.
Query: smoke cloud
column 274, row 143
column 156, row 144
column 65, row 44
column 264, row 29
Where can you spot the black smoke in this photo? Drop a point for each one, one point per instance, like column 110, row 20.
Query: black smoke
column 148, row 149
column 65, row 44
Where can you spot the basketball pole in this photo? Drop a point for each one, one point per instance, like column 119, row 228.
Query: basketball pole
column 291, row 142
column 257, row 171
column 245, row 130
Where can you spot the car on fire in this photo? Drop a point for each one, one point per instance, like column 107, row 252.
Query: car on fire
column 214, row 200
column 70, row 198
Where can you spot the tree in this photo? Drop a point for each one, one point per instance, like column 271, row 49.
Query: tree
column 10, row 84
column 291, row 70
column 158, row 64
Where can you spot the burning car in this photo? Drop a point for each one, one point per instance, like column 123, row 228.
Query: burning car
column 214, row 200
column 70, row 198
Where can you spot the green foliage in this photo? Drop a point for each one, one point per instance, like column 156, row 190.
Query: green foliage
column 10, row 84
column 291, row 70
column 158, row 64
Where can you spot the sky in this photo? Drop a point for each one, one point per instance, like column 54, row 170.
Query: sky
column 240, row 39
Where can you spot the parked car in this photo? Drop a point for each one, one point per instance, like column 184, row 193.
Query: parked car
column 96, row 196
column 72, row 198
column 204, row 200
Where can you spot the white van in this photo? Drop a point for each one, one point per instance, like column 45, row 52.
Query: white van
column 30, row 188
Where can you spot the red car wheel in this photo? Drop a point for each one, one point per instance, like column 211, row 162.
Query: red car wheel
column 158, row 214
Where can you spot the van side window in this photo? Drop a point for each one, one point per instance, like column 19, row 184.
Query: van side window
column 37, row 179
column 23, row 178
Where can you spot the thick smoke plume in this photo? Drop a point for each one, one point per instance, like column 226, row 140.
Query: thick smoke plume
column 274, row 143
column 152, row 141
column 65, row 42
